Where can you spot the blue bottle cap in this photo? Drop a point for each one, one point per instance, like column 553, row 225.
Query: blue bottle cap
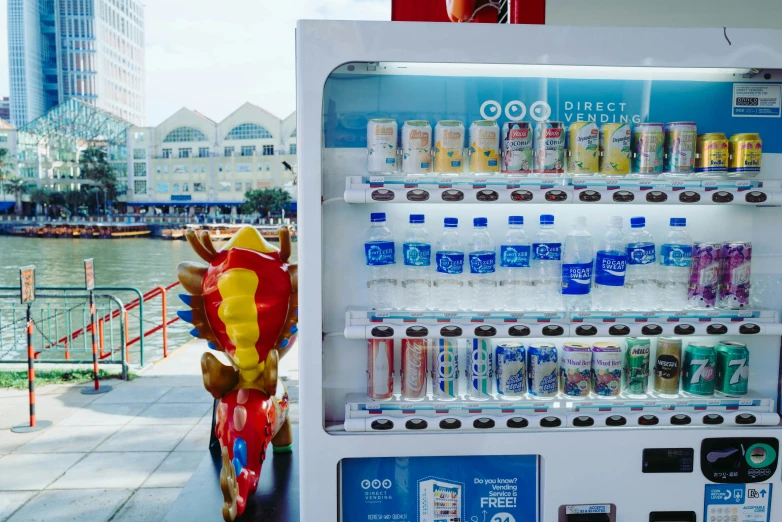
column 515, row 220
column 416, row 218
column 378, row 216
column 637, row 222
column 678, row 222
column 451, row 222
column 480, row 222
column 546, row 219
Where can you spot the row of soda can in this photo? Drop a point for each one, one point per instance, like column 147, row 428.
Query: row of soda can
column 542, row 371
column 720, row 275
column 615, row 149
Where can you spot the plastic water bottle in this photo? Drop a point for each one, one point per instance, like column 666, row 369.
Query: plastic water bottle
column 515, row 268
column 380, row 257
column 641, row 276
column 577, row 261
column 483, row 259
column 674, row 275
column 546, row 266
column 610, row 267
column 449, row 265
column 417, row 255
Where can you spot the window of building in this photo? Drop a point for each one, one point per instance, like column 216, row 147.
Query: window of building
column 203, row 152
column 219, row 168
column 138, row 136
column 140, row 186
column 203, row 169
column 268, row 167
column 268, row 150
column 238, row 186
column 184, row 134
column 185, row 188
column 292, row 148
column 162, row 188
column 139, row 153
column 248, row 186
column 228, row 168
column 176, row 188
column 158, row 169
column 167, row 153
column 228, row 152
column 3, row 139
column 199, row 187
column 139, row 169
column 248, row 150
column 260, row 167
column 293, row 134
column 248, row 131
column 165, row 169
column 185, row 153
column 224, row 186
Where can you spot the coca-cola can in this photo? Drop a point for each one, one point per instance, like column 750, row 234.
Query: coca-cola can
column 380, row 369
column 414, row 368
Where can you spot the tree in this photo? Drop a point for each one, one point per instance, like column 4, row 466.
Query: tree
column 94, row 166
column 39, row 196
column 74, row 199
column 5, row 170
column 17, row 187
column 265, row 201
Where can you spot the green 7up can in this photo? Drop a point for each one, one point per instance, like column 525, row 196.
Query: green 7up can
column 699, row 369
column 732, row 369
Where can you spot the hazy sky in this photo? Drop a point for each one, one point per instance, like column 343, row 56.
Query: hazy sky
column 213, row 56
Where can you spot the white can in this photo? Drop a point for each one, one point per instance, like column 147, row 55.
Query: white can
column 382, row 145
column 416, row 147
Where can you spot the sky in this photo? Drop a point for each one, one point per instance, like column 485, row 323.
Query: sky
column 214, row 56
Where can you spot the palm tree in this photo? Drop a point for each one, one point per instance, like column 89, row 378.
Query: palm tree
column 4, row 171
column 16, row 186
column 39, row 196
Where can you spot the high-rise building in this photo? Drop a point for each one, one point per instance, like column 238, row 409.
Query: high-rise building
column 91, row 50
column 5, row 108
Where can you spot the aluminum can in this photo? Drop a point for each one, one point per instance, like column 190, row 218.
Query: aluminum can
column 549, row 147
column 380, row 369
column 511, row 369
column 448, row 147
column 732, row 369
column 703, row 289
column 583, row 148
column 516, row 147
column 636, row 365
column 484, row 147
column 745, row 152
column 615, row 149
column 382, row 145
column 647, row 148
column 736, row 260
column 445, row 370
column 575, row 369
column 479, row 369
column 606, row 369
column 667, row 365
column 414, row 368
column 543, row 369
column 712, row 153
column 699, row 369
column 680, row 144
column 416, row 147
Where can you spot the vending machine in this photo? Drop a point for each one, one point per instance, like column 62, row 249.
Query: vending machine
column 540, row 272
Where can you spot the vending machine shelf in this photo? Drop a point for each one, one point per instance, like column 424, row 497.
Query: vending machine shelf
column 363, row 414
column 399, row 324
column 582, row 190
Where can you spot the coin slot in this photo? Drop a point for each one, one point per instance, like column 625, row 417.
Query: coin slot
column 416, row 424
column 556, row 195
column 453, row 195
column 616, row 420
column 755, row 197
column 487, row 195
column 485, row 330
column 749, row 328
column 713, row 419
column 586, row 329
column 680, row 420
column 589, row 196
column 417, row 195
column 648, row 420
column 656, row 196
column 382, row 331
column 651, row 329
column 450, row 424
column 382, row 195
column 518, row 331
column 483, row 423
column 417, row 331
column 517, row 422
column 722, row 197
column 450, row 331
column 623, row 196
column 550, row 422
column 689, row 196
column 619, row 329
column 382, row 425
column 521, row 195
column 717, row 329
column 553, row 330
column 757, row 455
column 684, row 329
column 746, row 418
column 761, row 455
column 583, row 421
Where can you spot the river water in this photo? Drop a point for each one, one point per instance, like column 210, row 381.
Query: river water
column 139, row 263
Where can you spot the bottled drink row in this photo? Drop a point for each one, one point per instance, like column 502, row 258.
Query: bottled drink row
column 615, row 149
column 616, row 272
column 512, row 371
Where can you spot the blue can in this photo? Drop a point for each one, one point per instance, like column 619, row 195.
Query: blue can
column 511, row 369
column 542, row 367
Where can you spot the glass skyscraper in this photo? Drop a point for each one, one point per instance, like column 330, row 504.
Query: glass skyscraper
column 91, row 50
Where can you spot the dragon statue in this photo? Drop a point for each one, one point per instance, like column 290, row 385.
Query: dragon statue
column 244, row 302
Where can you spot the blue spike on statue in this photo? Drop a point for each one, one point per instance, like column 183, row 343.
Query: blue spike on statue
column 237, row 465
column 240, row 451
column 294, row 329
column 194, row 332
column 186, row 298
column 212, row 346
column 185, row 315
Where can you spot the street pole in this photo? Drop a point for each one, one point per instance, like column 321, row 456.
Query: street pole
column 89, row 277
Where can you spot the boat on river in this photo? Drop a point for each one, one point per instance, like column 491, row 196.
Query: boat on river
column 224, row 232
column 85, row 230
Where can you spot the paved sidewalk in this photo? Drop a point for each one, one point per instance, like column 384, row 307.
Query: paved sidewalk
column 121, row 456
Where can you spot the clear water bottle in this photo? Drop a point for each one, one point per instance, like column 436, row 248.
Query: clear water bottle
column 641, row 276
column 577, row 261
column 514, row 272
column 483, row 259
column 380, row 257
column 417, row 255
column 674, row 275
column 449, row 265
column 610, row 266
column 546, row 266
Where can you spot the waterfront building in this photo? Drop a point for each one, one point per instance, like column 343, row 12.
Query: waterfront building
column 88, row 50
column 5, row 109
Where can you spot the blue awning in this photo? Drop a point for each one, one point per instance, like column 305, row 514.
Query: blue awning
column 6, row 205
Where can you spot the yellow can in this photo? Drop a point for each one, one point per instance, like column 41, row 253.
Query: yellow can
column 583, row 148
column 746, row 150
column 615, row 141
column 712, row 153
column 484, row 147
column 448, row 147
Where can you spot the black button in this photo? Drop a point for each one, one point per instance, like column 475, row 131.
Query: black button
column 483, row 423
column 453, row 195
column 616, row 420
column 521, row 195
column 583, row 421
column 417, row 331
column 416, row 424
column 487, row 195
column 713, row 418
column 518, row 331
column 417, row 195
column 450, row 331
column 553, row 330
column 680, row 420
column 623, row 196
column 717, row 329
column 755, row 197
column 746, row 418
column 619, row 329
column 586, row 329
column 651, row 329
column 722, row 197
column 648, row 420
column 382, row 425
column 749, row 328
column 382, row 195
column 684, row 329
column 550, row 422
column 556, row 195
column 656, row 196
column 450, row 424
column 589, row 196
column 382, row 331
column 517, row 422
column 688, row 196
column 485, row 330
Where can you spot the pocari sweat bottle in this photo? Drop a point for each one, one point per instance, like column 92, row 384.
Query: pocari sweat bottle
column 417, row 255
column 546, row 266
column 380, row 257
column 674, row 275
column 610, row 267
column 483, row 259
column 514, row 273
column 449, row 265
column 577, row 261
column 641, row 276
